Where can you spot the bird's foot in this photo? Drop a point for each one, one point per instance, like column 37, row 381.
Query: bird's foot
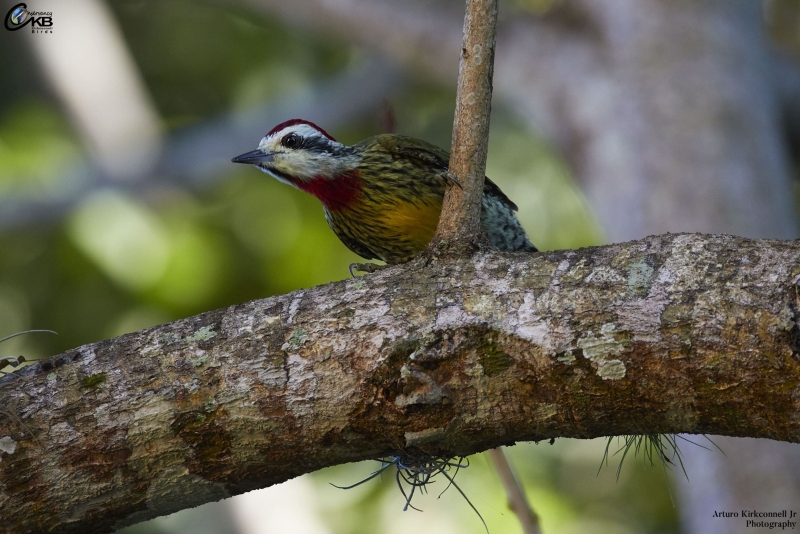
column 448, row 179
column 365, row 268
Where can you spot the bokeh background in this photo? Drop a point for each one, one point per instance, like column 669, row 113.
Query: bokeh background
column 120, row 209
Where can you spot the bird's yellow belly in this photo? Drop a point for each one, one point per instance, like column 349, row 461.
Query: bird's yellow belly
column 415, row 222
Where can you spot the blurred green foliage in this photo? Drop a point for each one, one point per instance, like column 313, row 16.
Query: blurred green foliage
column 25, row 128
column 201, row 58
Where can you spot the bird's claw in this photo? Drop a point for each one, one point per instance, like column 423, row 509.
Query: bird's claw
column 365, row 268
column 449, row 179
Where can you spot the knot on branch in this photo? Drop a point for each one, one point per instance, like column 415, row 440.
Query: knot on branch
column 420, row 388
column 447, row 249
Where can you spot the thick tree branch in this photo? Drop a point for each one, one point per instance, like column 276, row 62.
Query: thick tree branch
column 675, row 333
column 461, row 210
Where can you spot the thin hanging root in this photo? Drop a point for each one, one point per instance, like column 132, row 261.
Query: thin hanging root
column 457, row 466
column 418, row 472
column 661, row 447
column 453, row 482
column 15, row 361
column 26, row 332
column 373, row 475
column 410, row 494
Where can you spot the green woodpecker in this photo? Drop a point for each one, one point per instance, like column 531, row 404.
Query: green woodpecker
column 382, row 197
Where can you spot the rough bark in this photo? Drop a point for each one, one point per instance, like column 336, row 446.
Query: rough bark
column 460, row 218
column 674, row 333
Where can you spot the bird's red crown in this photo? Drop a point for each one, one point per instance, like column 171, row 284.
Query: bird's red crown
column 295, row 122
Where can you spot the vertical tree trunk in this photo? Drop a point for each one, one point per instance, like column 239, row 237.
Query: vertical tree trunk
column 461, row 211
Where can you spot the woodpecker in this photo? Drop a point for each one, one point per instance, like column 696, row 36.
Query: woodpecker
column 382, row 197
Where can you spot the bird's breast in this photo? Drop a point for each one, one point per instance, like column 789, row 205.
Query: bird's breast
column 393, row 232
column 412, row 221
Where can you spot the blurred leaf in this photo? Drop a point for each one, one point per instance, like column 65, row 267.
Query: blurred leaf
column 123, row 237
column 219, row 56
column 36, row 145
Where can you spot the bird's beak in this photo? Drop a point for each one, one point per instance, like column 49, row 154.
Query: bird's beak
column 254, row 158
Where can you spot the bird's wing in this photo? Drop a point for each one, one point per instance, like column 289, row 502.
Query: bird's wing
column 438, row 159
column 492, row 189
column 419, row 150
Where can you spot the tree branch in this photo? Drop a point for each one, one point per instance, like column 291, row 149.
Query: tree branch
column 461, row 210
column 517, row 501
column 674, row 333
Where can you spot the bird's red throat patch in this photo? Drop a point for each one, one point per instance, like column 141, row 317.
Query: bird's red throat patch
column 336, row 194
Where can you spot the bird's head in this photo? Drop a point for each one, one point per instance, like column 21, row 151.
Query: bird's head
column 299, row 152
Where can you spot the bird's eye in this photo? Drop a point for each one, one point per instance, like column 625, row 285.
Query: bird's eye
column 291, row 140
